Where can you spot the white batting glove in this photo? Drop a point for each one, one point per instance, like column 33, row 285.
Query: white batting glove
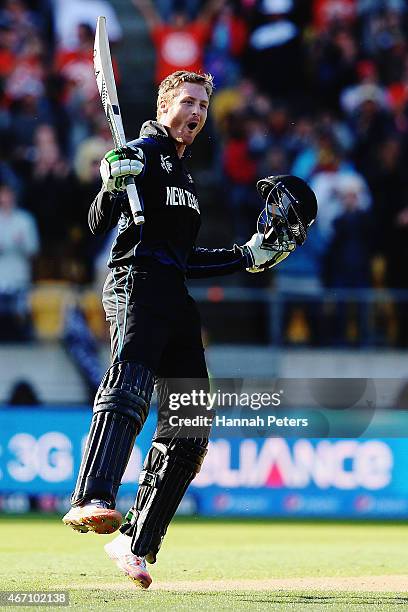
column 261, row 258
column 118, row 164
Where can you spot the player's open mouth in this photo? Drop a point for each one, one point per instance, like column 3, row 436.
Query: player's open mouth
column 192, row 125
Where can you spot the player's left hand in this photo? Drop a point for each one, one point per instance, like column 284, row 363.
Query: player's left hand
column 118, row 164
column 259, row 257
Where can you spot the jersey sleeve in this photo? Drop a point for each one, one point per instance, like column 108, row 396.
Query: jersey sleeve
column 204, row 263
column 104, row 212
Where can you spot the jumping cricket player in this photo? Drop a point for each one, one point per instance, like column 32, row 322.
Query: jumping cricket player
column 154, row 322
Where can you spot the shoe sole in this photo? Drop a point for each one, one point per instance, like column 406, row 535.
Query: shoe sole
column 100, row 521
column 143, row 580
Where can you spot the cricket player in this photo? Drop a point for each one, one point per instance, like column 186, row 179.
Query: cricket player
column 154, row 323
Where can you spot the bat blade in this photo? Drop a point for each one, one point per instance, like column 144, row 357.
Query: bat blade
column 105, row 80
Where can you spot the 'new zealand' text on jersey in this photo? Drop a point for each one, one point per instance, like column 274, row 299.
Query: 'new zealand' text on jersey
column 172, row 215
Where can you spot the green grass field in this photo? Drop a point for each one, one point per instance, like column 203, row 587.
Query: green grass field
column 217, row 565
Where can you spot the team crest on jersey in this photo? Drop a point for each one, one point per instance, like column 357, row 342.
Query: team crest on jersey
column 180, row 197
column 190, row 178
column 166, row 164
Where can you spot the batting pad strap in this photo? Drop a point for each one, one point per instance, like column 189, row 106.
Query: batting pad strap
column 123, row 402
column 148, row 479
column 131, row 517
column 190, row 453
column 129, row 376
column 126, row 388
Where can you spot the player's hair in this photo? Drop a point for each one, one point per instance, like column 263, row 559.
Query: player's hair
column 168, row 87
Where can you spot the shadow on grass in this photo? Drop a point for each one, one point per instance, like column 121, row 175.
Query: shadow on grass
column 294, row 598
column 376, row 599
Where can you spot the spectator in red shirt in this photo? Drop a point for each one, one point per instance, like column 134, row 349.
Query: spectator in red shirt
column 180, row 44
column 240, row 171
column 8, row 56
column 329, row 12
column 76, row 66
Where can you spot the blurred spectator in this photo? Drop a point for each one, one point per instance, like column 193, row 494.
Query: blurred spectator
column 329, row 13
column 26, row 114
column 301, row 139
column 388, row 180
column 19, row 241
column 348, row 255
column 369, row 124
column 334, row 58
column 398, row 97
column 383, row 33
column 298, row 284
column 18, row 244
column 7, row 173
column 274, row 162
column 179, row 44
column 81, row 345
column 226, row 46
column 347, row 262
column 239, row 97
column 8, row 54
column 332, row 185
column 397, row 252
column 84, row 247
column 78, row 94
column 24, row 23
column 28, row 73
column 334, row 124
column 368, row 87
column 240, row 171
column 70, row 14
column 76, row 66
column 397, row 242
column 275, row 42
column 49, row 196
column 23, row 394
column 366, row 7
column 322, row 152
column 167, row 8
column 278, row 126
column 302, row 274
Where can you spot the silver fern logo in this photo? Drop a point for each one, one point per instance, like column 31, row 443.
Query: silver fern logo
column 165, row 164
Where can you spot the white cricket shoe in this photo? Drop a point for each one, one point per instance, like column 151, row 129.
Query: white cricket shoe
column 134, row 567
column 95, row 516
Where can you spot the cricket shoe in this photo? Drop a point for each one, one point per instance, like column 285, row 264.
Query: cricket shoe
column 95, row 516
column 134, row 567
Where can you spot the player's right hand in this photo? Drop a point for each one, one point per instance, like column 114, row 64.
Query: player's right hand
column 118, row 164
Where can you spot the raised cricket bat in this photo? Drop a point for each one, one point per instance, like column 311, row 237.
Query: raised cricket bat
column 105, row 81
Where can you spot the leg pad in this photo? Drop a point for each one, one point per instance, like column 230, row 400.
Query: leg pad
column 169, row 468
column 120, row 410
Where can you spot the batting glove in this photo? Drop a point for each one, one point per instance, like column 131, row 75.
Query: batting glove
column 119, row 164
column 260, row 258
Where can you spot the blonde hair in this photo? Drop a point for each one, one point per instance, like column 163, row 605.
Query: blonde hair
column 171, row 83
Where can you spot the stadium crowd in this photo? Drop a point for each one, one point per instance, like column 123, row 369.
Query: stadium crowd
column 318, row 89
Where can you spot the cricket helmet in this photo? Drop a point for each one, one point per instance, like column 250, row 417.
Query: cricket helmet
column 290, row 208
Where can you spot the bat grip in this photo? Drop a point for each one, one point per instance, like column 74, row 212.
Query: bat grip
column 135, row 206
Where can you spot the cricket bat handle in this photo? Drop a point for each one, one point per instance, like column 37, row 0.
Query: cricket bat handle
column 134, row 202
